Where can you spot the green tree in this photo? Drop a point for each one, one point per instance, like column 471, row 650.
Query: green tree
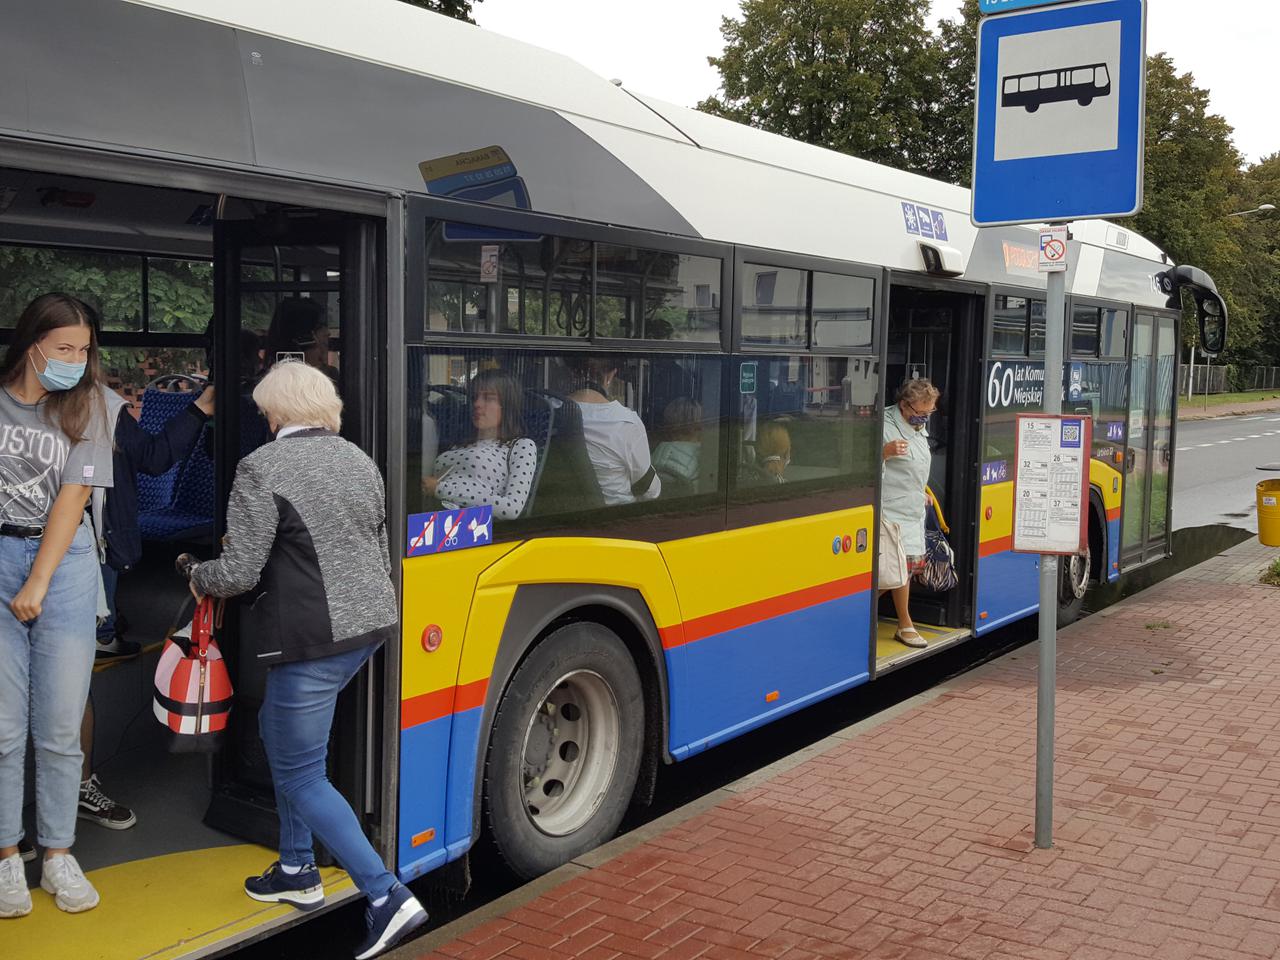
column 952, row 120
column 1256, row 283
column 1192, row 177
column 858, row 76
column 458, row 9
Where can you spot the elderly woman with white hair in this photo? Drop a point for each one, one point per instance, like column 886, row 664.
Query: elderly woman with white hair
column 307, row 540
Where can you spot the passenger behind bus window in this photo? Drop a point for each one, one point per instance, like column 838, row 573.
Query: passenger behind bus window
column 299, row 331
column 773, row 452
column 677, row 458
column 616, row 439
column 496, row 463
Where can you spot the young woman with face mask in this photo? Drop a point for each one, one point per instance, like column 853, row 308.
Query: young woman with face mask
column 902, row 499
column 55, row 447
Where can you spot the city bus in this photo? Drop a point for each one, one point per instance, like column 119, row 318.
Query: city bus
column 455, row 205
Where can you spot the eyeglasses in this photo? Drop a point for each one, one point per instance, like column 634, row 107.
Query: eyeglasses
column 775, row 458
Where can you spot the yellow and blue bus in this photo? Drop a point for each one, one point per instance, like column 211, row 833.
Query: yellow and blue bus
column 453, row 202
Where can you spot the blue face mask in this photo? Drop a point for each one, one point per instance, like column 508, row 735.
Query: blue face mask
column 58, row 374
column 918, row 422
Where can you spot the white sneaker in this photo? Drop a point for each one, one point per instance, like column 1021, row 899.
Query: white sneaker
column 15, row 898
column 71, row 889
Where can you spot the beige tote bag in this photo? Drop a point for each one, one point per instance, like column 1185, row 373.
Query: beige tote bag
column 893, row 562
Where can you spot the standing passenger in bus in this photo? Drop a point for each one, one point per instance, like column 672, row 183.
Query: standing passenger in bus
column 617, row 442
column 495, row 465
column 56, row 448
column 307, row 533
column 902, row 499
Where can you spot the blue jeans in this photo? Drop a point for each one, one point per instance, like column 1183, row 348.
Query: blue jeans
column 294, row 722
column 45, row 667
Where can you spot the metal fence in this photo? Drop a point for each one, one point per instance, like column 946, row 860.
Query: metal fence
column 1227, row 378
column 1203, row 378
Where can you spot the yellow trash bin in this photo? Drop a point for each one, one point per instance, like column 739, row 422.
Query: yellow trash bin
column 1269, row 512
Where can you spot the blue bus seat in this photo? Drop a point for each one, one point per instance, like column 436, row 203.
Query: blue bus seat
column 567, row 482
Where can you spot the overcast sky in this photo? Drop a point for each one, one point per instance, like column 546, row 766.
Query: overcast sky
column 660, row 47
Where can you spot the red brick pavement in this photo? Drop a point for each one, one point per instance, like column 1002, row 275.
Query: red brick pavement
column 914, row 839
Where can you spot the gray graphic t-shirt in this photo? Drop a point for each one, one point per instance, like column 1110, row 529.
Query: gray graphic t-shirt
column 36, row 459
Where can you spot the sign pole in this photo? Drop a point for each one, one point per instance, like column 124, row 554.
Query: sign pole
column 1047, row 675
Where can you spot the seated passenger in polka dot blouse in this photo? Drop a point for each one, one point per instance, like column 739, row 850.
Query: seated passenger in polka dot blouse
column 496, row 465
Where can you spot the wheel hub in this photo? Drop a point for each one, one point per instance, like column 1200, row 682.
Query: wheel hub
column 1076, row 582
column 570, row 751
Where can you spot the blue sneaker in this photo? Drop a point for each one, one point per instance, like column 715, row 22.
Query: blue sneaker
column 390, row 923
column 302, row 889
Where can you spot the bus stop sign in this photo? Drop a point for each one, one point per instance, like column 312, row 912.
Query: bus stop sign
column 1060, row 113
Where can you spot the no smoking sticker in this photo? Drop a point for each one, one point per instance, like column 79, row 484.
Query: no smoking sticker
column 1053, row 249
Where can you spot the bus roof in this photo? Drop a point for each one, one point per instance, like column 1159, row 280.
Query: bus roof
column 363, row 93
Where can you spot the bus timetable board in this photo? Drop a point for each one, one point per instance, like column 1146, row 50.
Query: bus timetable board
column 1051, row 484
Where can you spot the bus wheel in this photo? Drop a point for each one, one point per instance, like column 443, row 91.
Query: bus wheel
column 565, row 749
column 1073, row 584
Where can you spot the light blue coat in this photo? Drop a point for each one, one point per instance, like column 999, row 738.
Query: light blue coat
column 902, row 496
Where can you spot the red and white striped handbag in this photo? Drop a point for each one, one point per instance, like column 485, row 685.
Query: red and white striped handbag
column 193, row 688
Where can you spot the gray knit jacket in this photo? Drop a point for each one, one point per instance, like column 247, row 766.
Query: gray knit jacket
column 307, row 540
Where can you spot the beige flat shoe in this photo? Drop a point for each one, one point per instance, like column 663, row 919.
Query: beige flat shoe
column 910, row 637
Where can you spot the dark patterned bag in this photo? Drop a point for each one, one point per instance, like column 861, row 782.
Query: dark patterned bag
column 939, row 571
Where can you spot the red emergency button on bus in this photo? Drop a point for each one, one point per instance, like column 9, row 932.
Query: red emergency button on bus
column 988, row 513
column 432, row 638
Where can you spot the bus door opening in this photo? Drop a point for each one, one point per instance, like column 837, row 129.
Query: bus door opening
column 187, row 285
column 937, row 335
column 300, row 286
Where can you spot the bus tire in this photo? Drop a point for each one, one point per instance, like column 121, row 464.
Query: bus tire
column 565, row 749
column 1073, row 585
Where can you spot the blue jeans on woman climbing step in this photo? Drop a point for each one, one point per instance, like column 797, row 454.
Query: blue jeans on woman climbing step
column 45, row 667
column 294, row 722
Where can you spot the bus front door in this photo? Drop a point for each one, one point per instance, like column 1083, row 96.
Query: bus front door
column 1146, row 511
column 298, row 287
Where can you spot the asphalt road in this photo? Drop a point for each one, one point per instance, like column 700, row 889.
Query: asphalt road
column 1215, row 469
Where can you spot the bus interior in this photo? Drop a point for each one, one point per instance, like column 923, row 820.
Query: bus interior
column 187, row 286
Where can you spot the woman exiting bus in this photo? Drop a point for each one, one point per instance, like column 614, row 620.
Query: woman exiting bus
column 902, row 499
column 307, row 533
column 55, row 447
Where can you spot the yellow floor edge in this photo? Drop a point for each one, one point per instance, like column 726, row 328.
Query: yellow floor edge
column 889, row 649
column 160, row 908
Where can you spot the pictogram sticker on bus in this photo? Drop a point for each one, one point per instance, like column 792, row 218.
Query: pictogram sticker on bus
column 1082, row 84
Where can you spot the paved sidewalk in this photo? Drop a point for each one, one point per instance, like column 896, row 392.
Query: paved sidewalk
column 911, row 837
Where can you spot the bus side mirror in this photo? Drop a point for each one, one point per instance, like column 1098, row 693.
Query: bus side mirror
column 1211, row 309
column 1211, row 313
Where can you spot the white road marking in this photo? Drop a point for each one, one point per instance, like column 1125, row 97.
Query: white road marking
column 1247, row 419
column 1182, row 449
column 1273, row 419
column 1254, row 436
column 1204, row 444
